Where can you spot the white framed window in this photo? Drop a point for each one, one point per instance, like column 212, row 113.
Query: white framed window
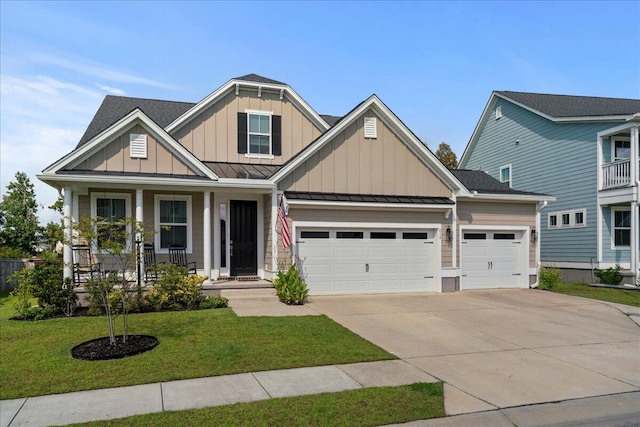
column 173, row 222
column 259, row 133
column 620, row 228
column 620, row 148
column 505, row 175
column 567, row 219
column 107, row 208
column 498, row 112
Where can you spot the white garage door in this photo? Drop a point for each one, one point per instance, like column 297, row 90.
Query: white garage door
column 352, row 261
column 491, row 259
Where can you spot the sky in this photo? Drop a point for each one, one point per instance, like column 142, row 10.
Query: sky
column 434, row 64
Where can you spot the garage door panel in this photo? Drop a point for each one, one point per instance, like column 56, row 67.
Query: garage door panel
column 383, row 268
column 383, row 251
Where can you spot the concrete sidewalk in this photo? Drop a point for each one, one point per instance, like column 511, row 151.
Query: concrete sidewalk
column 104, row 404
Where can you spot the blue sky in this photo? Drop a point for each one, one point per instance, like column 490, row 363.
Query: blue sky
column 433, row 63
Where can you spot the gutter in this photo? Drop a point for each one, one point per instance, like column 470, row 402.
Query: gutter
column 539, row 209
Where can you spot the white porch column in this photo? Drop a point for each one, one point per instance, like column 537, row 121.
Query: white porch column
column 600, row 163
column 635, row 154
column 139, row 235
column 634, row 239
column 206, row 229
column 68, row 234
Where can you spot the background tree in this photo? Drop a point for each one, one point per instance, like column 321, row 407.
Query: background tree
column 18, row 215
column 447, row 156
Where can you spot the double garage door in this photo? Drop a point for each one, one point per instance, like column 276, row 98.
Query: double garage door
column 492, row 259
column 353, row 261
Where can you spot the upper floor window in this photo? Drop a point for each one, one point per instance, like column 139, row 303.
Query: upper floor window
column 621, row 148
column 621, row 233
column 173, row 221
column 505, row 175
column 259, row 134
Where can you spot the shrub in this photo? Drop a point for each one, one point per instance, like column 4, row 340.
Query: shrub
column 214, row 301
column 610, row 276
column 7, row 252
column 44, row 281
column 290, row 287
column 550, row 277
column 175, row 289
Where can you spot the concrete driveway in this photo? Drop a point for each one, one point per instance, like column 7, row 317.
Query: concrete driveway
column 500, row 348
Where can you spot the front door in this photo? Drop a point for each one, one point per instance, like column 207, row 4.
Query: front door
column 244, row 237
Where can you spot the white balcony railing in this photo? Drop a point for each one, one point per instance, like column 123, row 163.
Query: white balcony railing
column 616, row 174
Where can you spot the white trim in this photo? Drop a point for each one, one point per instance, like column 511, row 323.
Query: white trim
column 235, row 84
column 613, row 210
column 259, row 156
column 500, row 169
column 572, row 219
column 110, row 195
column 156, row 219
column 320, row 203
column 119, row 128
column 612, row 143
column 206, row 235
column 583, row 265
column 269, row 114
column 387, row 116
column 510, row 197
column 549, row 225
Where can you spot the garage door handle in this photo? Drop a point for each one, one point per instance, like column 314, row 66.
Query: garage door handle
column 367, row 267
column 428, row 277
column 299, row 241
column 516, row 274
column 516, row 243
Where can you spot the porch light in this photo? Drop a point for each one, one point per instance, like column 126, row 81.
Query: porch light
column 534, row 235
column 448, row 234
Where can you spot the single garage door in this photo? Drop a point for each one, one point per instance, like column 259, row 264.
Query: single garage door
column 352, row 261
column 491, row 259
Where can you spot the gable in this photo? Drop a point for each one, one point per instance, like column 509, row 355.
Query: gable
column 351, row 163
column 115, row 156
column 212, row 135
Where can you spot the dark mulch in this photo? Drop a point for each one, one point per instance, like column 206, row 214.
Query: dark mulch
column 101, row 349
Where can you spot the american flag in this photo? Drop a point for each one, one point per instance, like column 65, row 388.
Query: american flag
column 282, row 214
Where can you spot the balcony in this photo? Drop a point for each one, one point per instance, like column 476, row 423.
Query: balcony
column 616, row 174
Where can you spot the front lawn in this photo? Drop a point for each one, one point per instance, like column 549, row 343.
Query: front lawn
column 363, row 407
column 35, row 357
column 619, row 296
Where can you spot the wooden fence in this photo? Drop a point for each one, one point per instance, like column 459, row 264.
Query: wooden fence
column 7, row 267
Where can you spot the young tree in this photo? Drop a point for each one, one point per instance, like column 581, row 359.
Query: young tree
column 447, row 156
column 18, row 215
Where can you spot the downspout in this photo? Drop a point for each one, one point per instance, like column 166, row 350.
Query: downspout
column 539, row 209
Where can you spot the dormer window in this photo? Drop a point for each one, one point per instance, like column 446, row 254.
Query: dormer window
column 259, row 134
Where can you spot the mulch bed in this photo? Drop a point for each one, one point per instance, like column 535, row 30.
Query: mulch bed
column 101, row 349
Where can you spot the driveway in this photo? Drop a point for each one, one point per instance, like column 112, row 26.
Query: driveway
column 500, row 348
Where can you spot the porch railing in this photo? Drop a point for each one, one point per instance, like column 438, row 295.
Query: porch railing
column 616, row 174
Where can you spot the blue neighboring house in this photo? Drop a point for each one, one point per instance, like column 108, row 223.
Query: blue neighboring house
column 582, row 150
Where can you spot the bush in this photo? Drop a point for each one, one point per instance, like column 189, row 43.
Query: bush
column 290, row 287
column 7, row 252
column 610, row 276
column 214, row 301
column 550, row 277
column 44, row 281
column 175, row 289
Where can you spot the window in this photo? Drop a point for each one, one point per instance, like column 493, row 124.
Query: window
column 350, row 235
column 383, row 235
column 259, row 134
column 173, row 222
column 578, row 218
column 505, row 175
column 621, row 148
column 415, row 236
column 504, row 236
column 475, row 236
column 568, row 219
column 553, row 221
column 314, row 234
column 107, row 209
column 621, row 219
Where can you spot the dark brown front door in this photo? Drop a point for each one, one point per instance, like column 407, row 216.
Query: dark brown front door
column 244, row 238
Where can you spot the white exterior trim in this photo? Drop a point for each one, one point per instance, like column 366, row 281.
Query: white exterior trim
column 584, row 265
column 329, row 204
column 510, row 197
column 156, row 219
column 500, row 169
column 110, row 195
column 613, row 210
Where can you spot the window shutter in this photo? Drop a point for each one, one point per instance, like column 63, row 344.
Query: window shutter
column 138, row 146
column 242, row 133
column 276, row 135
column 370, row 127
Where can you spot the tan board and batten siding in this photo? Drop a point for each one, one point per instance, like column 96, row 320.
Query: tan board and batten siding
column 212, row 136
column 115, row 157
column 351, row 163
column 498, row 214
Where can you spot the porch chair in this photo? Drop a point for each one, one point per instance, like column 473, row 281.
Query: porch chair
column 178, row 256
column 85, row 266
column 150, row 265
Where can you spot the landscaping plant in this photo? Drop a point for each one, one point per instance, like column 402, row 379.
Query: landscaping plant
column 290, row 287
column 175, row 289
column 550, row 277
column 610, row 276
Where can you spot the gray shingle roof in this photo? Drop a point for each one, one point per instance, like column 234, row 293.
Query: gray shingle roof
column 259, row 79
column 574, row 106
column 331, row 120
column 482, row 182
column 114, row 108
column 366, row 198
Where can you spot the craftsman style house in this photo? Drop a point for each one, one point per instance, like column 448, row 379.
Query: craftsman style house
column 583, row 150
column 369, row 207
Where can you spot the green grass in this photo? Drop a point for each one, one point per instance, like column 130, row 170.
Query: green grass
column 35, row 357
column 619, row 296
column 363, row 407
